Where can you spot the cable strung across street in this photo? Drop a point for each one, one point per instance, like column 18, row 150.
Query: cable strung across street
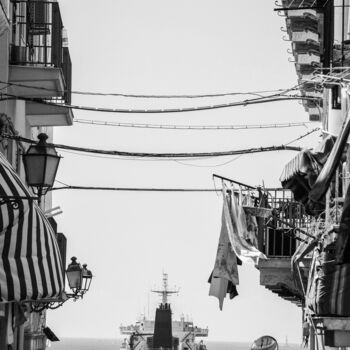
column 189, row 127
column 258, row 100
column 161, row 155
column 135, row 189
column 152, row 96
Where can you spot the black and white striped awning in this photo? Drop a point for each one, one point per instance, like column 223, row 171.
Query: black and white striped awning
column 30, row 261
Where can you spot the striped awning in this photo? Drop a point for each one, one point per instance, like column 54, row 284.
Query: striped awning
column 30, row 261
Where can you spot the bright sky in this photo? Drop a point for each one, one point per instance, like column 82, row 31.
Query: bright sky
column 128, row 239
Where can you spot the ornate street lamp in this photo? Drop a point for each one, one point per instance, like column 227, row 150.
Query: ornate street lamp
column 41, row 164
column 87, row 278
column 79, row 278
column 74, row 274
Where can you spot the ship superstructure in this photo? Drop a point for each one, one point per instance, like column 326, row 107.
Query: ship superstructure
column 163, row 332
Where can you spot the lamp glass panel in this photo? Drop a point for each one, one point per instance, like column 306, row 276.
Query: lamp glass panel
column 86, row 282
column 51, row 169
column 74, row 279
column 35, row 169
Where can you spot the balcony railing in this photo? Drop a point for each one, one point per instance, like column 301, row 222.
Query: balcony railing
column 282, row 233
column 38, row 40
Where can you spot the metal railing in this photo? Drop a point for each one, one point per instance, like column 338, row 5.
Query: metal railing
column 37, row 38
column 283, row 232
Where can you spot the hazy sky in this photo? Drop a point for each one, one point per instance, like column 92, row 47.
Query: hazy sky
column 128, row 239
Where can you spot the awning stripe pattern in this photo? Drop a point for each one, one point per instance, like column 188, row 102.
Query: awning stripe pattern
column 30, row 261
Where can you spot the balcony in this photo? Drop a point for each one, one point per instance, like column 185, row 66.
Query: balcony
column 40, row 65
column 279, row 237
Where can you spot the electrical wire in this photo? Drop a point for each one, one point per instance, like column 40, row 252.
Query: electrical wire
column 160, row 155
column 209, row 166
column 302, row 136
column 189, row 127
column 189, row 96
column 164, row 110
column 138, row 189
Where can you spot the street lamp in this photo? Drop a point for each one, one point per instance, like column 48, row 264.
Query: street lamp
column 74, row 274
column 41, row 163
column 87, row 278
column 79, row 279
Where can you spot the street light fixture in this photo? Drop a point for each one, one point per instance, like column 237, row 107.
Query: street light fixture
column 79, row 280
column 41, row 164
column 87, row 278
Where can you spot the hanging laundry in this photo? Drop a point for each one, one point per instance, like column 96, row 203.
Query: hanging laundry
column 224, row 277
column 236, row 224
column 252, row 229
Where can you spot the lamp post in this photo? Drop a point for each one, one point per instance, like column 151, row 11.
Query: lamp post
column 41, row 164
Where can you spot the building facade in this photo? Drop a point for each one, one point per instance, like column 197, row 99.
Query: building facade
column 312, row 269
column 35, row 83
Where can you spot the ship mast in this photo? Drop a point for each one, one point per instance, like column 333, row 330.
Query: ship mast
column 165, row 291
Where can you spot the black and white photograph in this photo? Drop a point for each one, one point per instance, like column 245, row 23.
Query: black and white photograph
column 174, row 175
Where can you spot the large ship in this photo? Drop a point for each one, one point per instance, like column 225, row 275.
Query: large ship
column 163, row 332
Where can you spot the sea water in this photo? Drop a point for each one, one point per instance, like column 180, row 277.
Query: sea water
column 114, row 344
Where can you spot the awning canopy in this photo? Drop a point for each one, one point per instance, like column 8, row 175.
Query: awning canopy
column 308, row 161
column 30, row 261
column 300, row 173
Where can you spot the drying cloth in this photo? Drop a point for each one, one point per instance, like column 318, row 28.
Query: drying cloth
column 226, row 259
column 225, row 274
column 236, row 225
column 218, row 288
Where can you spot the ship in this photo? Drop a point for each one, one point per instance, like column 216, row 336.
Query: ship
column 163, row 332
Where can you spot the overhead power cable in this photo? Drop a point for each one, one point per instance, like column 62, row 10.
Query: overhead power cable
column 161, row 155
column 139, row 189
column 170, row 96
column 163, row 110
column 302, row 136
column 189, row 127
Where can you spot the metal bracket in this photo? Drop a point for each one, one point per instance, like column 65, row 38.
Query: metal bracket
column 14, row 201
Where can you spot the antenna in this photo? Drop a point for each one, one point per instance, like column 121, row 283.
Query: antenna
column 165, row 291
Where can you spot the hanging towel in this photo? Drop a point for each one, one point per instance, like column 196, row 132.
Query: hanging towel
column 236, row 225
column 224, row 277
column 218, row 288
column 226, row 259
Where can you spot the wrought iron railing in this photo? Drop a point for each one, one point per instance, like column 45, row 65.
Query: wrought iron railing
column 37, row 38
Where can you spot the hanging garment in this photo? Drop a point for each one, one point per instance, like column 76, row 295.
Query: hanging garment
column 226, row 259
column 252, row 229
column 224, row 277
column 236, row 225
column 218, row 289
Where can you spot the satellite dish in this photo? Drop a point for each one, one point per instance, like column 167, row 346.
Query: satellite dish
column 265, row 342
